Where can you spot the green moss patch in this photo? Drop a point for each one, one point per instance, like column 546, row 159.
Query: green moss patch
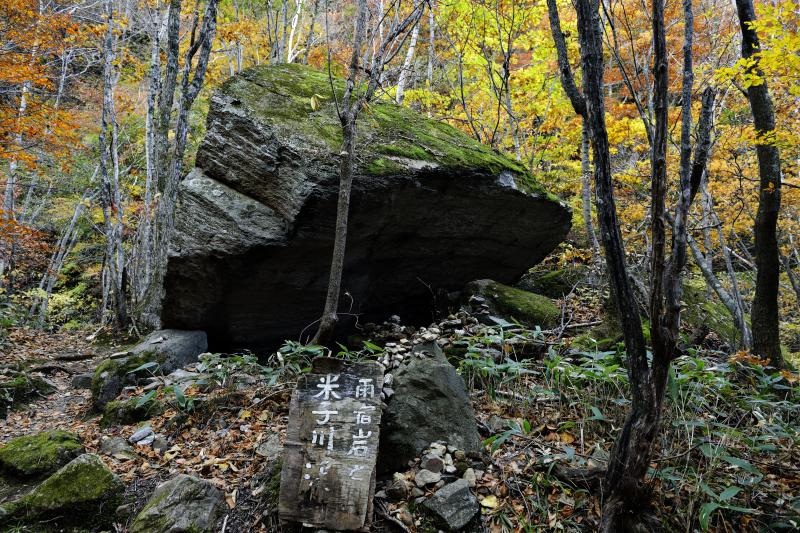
column 83, row 493
column 127, row 412
column 39, row 454
column 526, row 307
column 298, row 101
column 553, row 283
column 21, row 389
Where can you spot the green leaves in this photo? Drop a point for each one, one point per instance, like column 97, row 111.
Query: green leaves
column 146, row 398
column 145, row 366
column 720, row 501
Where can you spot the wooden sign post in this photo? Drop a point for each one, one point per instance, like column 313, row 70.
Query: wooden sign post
column 328, row 474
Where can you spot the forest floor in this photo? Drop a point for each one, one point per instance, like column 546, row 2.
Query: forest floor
column 728, row 457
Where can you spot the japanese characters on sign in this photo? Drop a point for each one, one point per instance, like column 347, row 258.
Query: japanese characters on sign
column 327, row 479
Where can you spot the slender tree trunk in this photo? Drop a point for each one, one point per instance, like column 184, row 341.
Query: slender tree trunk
column 764, row 313
column 727, row 299
column 110, row 195
column 352, row 102
column 586, row 194
column 310, row 37
column 407, row 70
column 142, row 258
column 329, row 316
column 351, row 106
column 170, row 162
column 630, row 456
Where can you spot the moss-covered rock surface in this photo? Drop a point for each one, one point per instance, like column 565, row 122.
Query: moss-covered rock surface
column 21, row 389
column 160, row 352
column 130, row 411
column 39, row 454
column 553, row 283
column 299, row 100
column 84, row 493
column 527, row 308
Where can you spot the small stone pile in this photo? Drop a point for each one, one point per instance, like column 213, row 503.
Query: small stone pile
column 399, row 341
column 442, row 481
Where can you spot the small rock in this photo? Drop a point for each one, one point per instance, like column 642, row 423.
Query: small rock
column 160, row 443
column 387, row 380
column 147, row 441
column 140, row 434
column 450, row 469
column 397, row 490
column 432, row 463
column 426, row 477
column 454, row 505
column 438, row 449
column 115, row 445
column 82, row 381
column 470, row 478
column 271, row 448
column 388, row 392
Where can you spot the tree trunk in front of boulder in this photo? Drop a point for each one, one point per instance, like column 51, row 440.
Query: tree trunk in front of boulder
column 346, row 166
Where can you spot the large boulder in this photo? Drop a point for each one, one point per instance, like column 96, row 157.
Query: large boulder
column 160, row 352
column 82, row 493
column 430, row 404
column 184, row 504
column 431, row 209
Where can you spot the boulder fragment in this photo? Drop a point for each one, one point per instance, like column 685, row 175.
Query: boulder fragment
column 40, row 454
column 184, row 504
column 430, row 404
column 527, row 308
column 453, row 505
column 161, row 352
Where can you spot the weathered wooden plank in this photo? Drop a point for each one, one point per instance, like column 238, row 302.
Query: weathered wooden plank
column 328, row 474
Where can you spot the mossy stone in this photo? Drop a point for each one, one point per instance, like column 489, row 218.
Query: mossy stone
column 553, row 283
column 39, row 454
column 82, row 493
column 127, row 412
column 528, row 308
column 111, row 374
column 22, row 389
